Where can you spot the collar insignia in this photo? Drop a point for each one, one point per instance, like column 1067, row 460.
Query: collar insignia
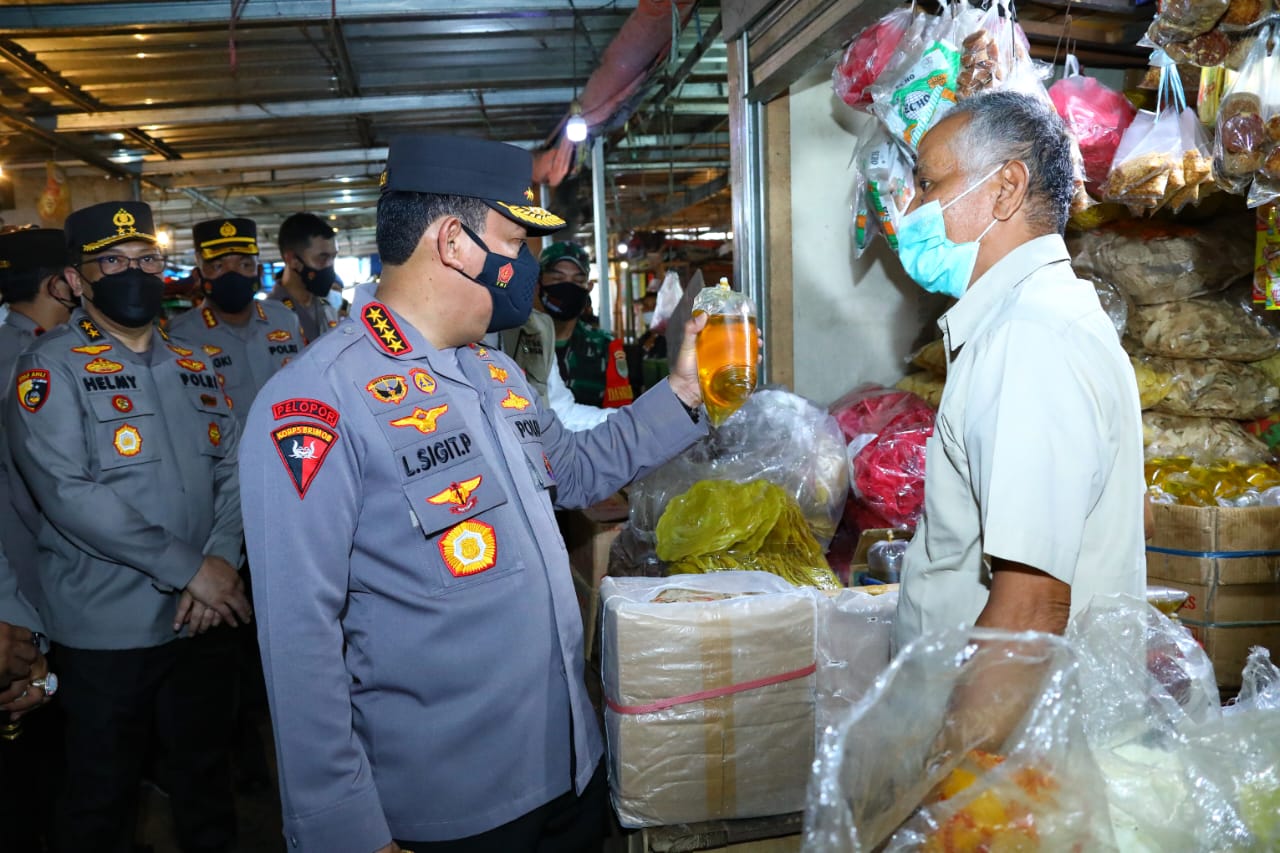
column 209, row 319
column 90, row 330
column 377, row 319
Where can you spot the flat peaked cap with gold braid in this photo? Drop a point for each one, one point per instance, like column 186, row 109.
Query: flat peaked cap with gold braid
column 92, row 229
column 214, row 238
column 498, row 174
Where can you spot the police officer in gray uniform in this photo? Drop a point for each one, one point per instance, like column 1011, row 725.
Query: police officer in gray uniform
column 308, row 249
column 33, row 286
column 246, row 340
column 140, row 532
column 417, row 619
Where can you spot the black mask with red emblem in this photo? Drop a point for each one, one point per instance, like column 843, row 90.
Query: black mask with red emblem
column 510, row 281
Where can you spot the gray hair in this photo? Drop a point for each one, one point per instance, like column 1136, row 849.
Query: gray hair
column 1005, row 126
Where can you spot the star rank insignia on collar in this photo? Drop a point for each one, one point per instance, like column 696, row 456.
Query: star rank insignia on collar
column 90, row 330
column 377, row 319
column 209, row 320
column 262, row 315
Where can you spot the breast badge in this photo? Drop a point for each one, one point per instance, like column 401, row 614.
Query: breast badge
column 279, row 335
column 302, row 448
column 469, row 548
column 458, row 497
column 127, row 440
column 422, row 380
column 182, row 351
column 388, row 389
column 121, row 403
column 423, row 420
column 33, row 389
column 215, row 434
column 92, row 349
column 497, row 374
column 191, row 364
column 210, row 349
column 103, row 365
column 514, row 401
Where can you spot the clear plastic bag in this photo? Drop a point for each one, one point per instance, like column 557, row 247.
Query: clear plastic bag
column 1115, row 302
column 1240, row 144
column 1162, row 262
column 1204, row 327
column 855, row 632
column 890, row 183
column 669, row 295
column 1197, row 163
column 1183, row 20
column 1259, row 685
column 1214, row 388
column 1266, row 183
column 867, row 57
column 709, row 696
column 776, row 436
column 1148, row 166
column 1153, row 385
column 1204, row 440
column 1040, row 790
column 1096, row 115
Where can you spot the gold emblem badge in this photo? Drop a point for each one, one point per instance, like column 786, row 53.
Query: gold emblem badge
column 90, row 331
column 210, row 349
column 514, row 401
column 227, row 230
column 278, row 335
column 183, row 351
column 388, row 389
column 127, row 441
column 459, row 494
column 122, row 404
column 469, row 548
column 103, row 365
column 92, row 349
column 122, row 220
column 215, row 435
column 423, row 420
column 497, row 374
column 422, row 380
column 191, row 364
column 209, row 320
column 528, row 194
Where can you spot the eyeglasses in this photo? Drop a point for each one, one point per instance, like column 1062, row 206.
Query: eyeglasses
column 111, row 264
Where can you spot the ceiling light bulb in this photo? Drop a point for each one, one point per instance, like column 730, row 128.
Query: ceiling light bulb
column 623, row 264
column 163, row 238
column 575, row 130
column 623, row 248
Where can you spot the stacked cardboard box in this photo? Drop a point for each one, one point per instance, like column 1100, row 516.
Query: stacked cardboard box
column 1228, row 561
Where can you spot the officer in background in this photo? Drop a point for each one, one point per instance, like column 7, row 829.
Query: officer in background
column 245, row 339
column 308, row 250
column 140, row 533
column 591, row 363
column 32, row 284
column 425, row 668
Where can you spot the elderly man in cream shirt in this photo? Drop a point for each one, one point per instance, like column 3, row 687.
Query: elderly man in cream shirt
column 1034, row 488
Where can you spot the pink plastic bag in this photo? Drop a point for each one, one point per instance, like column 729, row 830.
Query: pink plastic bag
column 886, row 431
column 1098, row 116
column 867, row 56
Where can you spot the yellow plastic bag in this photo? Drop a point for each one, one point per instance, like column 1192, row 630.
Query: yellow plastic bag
column 719, row 525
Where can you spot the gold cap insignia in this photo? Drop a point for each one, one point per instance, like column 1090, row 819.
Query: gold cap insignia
column 528, row 193
column 227, row 230
column 382, row 178
column 123, row 219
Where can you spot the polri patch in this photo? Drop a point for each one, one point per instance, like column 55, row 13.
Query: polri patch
column 307, row 408
column 121, row 403
column 390, row 388
column 469, row 548
column 33, row 389
column 302, row 448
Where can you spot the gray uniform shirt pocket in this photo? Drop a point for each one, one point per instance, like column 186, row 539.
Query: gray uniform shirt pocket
column 125, row 430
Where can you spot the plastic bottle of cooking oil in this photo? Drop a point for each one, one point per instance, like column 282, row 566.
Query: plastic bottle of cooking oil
column 727, row 350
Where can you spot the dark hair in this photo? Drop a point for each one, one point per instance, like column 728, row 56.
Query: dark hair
column 22, row 287
column 1007, row 126
column 297, row 231
column 403, row 217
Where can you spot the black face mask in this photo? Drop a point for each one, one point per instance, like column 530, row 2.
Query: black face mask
column 232, row 291
column 510, row 282
column 564, row 301
column 69, row 304
column 319, row 282
column 131, row 298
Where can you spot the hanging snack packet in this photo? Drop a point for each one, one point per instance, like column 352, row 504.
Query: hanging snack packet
column 1240, row 144
column 890, row 185
column 1096, row 116
column 1266, row 182
column 1266, row 272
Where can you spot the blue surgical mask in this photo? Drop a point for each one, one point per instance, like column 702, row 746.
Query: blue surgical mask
column 932, row 259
